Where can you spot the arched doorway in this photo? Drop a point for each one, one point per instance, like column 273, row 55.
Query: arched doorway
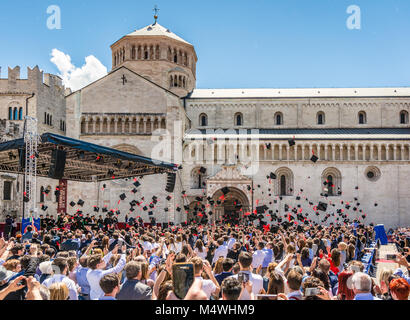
column 233, row 205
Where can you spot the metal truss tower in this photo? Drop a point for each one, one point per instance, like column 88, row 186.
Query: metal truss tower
column 31, row 139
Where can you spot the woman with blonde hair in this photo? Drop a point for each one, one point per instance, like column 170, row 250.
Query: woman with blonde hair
column 218, row 266
column 385, row 277
column 200, row 249
column 58, row 291
column 145, row 275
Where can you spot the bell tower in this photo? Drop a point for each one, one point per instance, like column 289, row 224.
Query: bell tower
column 159, row 55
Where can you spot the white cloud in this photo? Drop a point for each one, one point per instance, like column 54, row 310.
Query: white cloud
column 76, row 78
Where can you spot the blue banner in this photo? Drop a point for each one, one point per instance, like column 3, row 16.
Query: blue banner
column 28, row 222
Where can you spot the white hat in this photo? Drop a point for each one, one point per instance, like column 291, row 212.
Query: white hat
column 45, row 267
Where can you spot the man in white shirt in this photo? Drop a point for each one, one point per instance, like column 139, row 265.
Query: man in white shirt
column 245, row 264
column 221, row 251
column 232, row 240
column 208, row 286
column 60, row 268
column 258, row 256
column 97, row 264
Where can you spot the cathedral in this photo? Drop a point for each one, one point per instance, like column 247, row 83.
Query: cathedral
column 283, row 150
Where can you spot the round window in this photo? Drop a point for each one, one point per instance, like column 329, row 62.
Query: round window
column 372, row 173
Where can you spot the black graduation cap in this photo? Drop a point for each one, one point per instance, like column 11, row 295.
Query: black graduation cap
column 122, row 196
column 104, row 186
column 166, row 209
column 168, row 198
column 150, row 213
column 178, row 209
column 272, row 175
column 275, row 201
column 314, row 159
column 202, row 170
column 292, row 142
column 104, row 209
column 249, row 188
column 145, row 208
column 357, row 188
column 286, row 208
column 134, row 190
column 186, row 207
column 268, row 146
column 375, row 204
column 261, row 209
column 151, row 205
column 198, row 199
column 44, row 207
column 225, row 190
column 298, row 198
column 322, row 206
column 132, row 209
column 136, row 184
column 72, row 203
column 96, row 209
column 80, row 202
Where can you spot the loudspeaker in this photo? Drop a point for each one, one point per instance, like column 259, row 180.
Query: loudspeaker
column 171, row 177
column 22, row 157
column 57, row 164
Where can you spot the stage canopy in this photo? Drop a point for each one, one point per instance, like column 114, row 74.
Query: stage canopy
column 85, row 161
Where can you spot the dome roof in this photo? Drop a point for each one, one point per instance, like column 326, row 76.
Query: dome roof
column 156, row 30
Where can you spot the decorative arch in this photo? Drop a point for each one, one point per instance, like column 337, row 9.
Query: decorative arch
column 198, row 179
column 332, row 182
column 284, row 182
column 128, row 148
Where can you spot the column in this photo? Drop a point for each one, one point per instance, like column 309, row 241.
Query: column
column 356, row 152
column 348, row 152
column 394, row 153
column 371, row 152
column 326, row 155
column 115, row 125
column 379, row 152
column 145, row 125
column 333, row 152
column 138, row 125
column 280, row 152
column 94, row 120
column 86, row 125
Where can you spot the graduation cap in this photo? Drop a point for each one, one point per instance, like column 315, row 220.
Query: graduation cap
column 249, row 188
column 178, row 209
column 261, row 209
column 72, row 203
column 272, row 175
column 44, row 207
column 134, row 190
column 322, row 206
column 298, row 198
column 96, row 209
column 145, row 208
column 202, row 170
column 166, row 209
column 122, row 196
column 268, row 146
column 136, row 184
column 375, row 204
column 225, row 190
column 80, row 202
column 151, row 205
column 104, row 186
column 314, row 159
column 291, row 142
column 357, row 188
column 168, row 198
column 150, row 213
column 198, row 199
column 104, row 209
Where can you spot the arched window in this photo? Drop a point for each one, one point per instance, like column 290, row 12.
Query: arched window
column 284, row 184
column 404, row 117
column 42, row 194
column 197, row 179
column 48, row 193
column 45, row 117
column 332, row 182
column 203, row 120
column 238, row 119
column 10, row 113
column 21, row 114
column 362, row 117
column 320, row 118
column 133, row 53
column 146, row 55
column 175, row 58
column 278, row 118
column 7, row 187
column 330, row 185
column 16, row 116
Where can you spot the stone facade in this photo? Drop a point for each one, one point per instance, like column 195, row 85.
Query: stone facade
column 148, row 105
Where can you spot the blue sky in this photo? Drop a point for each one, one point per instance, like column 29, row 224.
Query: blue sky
column 239, row 43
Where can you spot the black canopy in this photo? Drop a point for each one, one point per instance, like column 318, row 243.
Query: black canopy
column 84, row 161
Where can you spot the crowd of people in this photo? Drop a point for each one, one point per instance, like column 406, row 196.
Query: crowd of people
column 93, row 259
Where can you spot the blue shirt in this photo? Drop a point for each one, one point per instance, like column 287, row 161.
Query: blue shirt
column 365, row 296
column 268, row 257
column 222, row 276
column 107, row 298
column 81, row 276
column 27, row 236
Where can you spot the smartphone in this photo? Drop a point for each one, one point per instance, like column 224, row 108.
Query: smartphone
column 312, row 292
column 391, row 256
column 182, row 278
column 243, row 277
